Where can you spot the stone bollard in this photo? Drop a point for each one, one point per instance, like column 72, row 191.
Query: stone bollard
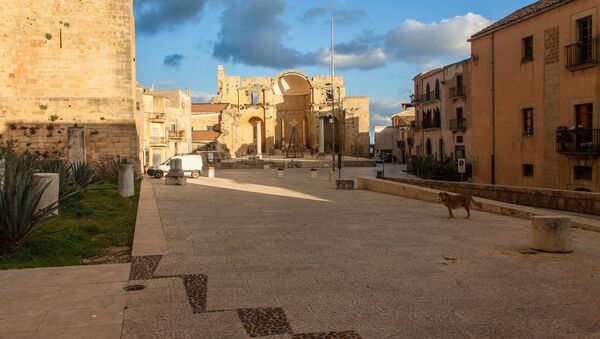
column 126, row 182
column 551, row 234
column 280, row 173
column 313, row 173
column 50, row 195
column 211, row 172
column 266, row 166
column 175, row 176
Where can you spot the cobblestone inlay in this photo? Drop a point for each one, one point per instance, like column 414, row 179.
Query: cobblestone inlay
column 143, row 267
column 328, row 335
column 260, row 322
column 196, row 287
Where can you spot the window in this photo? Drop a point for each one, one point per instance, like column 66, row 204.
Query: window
column 437, row 89
column 528, row 170
column 528, row 122
column 173, row 128
column 459, row 85
column 329, row 94
column 584, row 32
column 255, row 97
column 428, row 93
column 582, row 173
column 460, row 152
column 527, row 49
column 459, row 139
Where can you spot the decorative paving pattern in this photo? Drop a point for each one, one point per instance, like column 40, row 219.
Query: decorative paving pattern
column 260, row 322
column 142, row 268
column 328, row 335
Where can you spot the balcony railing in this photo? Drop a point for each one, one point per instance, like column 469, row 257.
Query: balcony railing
column 157, row 140
column 458, row 124
column 578, row 142
column 158, row 117
column 415, row 125
column 431, row 124
column 460, row 91
column 430, row 96
column 581, row 54
column 414, row 98
column 177, row 134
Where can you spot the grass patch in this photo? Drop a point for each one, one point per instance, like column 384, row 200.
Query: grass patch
column 90, row 222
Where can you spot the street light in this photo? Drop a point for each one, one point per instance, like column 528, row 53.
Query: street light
column 332, row 122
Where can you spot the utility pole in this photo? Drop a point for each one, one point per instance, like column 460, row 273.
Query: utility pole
column 332, row 102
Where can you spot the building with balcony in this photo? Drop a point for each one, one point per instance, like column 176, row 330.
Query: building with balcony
column 442, row 128
column 535, row 85
column 403, row 123
column 164, row 124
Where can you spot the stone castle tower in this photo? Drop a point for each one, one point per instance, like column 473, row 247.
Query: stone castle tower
column 67, row 71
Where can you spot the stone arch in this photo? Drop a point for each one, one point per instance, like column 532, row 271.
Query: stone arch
column 295, row 108
column 428, row 92
column 437, row 89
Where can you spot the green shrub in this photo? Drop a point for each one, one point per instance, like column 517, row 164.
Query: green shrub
column 19, row 198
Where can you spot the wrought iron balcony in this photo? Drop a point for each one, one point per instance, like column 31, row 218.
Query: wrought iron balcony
column 579, row 142
column 157, row 140
column 177, row 135
column 581, row 54
column 458, row 124
column 415, row 125
column 430, row 96
column 414, row 98
column 460, row 91
column 158, row 117
column 431, row 124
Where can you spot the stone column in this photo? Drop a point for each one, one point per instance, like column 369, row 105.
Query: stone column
column 321, row 136
column 551, row 234
column 259, row 139
column 51, row 193
column 126, row 184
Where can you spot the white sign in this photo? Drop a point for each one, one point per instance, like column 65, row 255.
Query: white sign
column 462, row 166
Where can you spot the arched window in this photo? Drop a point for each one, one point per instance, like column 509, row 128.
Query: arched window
column 441, row 150
column 428, row 93
column 437, row 89
column 428, row 147
column 436, row 117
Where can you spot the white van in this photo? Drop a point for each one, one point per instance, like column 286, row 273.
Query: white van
column 191, row 164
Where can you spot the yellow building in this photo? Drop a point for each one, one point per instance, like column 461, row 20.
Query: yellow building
column 535, row 86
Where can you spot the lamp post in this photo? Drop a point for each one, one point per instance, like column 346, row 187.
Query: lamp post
column 332, row 119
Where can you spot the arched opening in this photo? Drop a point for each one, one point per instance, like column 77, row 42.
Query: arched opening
column 441, row 149
column 428, row 93
column 437, row 89
column 428, row 147
column 436, row 117
column 294, row 111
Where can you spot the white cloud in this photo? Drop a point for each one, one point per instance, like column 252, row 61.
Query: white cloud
column 201, row 97
column 367, row 59
column 382, row 110
column 419, row 43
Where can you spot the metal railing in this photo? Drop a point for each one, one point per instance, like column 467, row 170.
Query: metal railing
column 580, row 141
column 581, row 54
column 431, row 124
column 415, row 125
column 157, row 116
column 459, row 91
column 157, row 140
column 430, row 96
column 458, row 124
column 177, row 134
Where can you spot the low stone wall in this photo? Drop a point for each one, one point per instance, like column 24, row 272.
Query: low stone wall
column 580, row 202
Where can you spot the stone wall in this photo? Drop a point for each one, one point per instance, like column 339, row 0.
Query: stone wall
column 581, row 202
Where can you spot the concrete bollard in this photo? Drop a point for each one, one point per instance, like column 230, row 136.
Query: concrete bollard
column 313, row 173
column 126, row 183
column 280, row 173
column 266, row 166
column 51, row 194
column 551, row 234
column 211, row 172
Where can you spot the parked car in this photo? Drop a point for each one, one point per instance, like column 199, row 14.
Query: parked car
column 191, row 164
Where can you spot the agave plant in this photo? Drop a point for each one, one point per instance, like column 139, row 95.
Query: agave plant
column 82, row 175
column 65, row 175
column 19, row 198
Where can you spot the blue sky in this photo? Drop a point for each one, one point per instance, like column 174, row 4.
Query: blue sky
column 380, row 44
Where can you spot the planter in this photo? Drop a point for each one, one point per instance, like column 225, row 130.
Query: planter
column 51, row 193
column 313, row 173
column 345, row 184
column 126, row 183
column 280, row 173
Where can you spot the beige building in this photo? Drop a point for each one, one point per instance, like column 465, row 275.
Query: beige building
column 403, row 123
column 164, row 124
column 67, row 83
column 442, row 102
column 206, row 126
column 265, row 114
column 534, row 72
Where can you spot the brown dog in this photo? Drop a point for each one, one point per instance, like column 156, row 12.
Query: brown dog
column 457, row 201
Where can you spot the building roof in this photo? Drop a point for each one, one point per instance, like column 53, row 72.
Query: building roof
column 199, row 136
column 208, row 108
column 520, row 14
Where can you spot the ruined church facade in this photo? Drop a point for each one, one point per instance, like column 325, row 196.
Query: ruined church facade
column 265, row 115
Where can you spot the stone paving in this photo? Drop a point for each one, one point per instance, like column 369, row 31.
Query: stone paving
column 63, row 302
column 251, row 255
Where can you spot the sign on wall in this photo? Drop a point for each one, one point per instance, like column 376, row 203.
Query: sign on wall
column 462, row 166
